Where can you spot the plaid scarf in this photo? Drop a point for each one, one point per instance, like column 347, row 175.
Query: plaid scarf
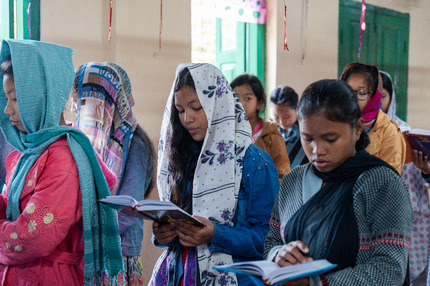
column 104, row 113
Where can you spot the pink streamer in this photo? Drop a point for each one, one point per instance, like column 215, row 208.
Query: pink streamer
column 362, row 26
column 110, row 21
column 161, row 24
column 28, row 17
column 285, row 28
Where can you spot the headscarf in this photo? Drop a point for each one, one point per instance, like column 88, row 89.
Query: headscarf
column 370, row 111
column 43, row 76
column 221, row 157
column 391, row 112
column 104, row 113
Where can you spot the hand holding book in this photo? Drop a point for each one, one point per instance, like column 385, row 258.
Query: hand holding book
column 421, row 161
column 164, row 212
column 292, row 253
column 273, row 274
column 416, row 139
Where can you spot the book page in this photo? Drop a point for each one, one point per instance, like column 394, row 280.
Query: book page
column 271, row 273
column 122, row 200
column 420, row 132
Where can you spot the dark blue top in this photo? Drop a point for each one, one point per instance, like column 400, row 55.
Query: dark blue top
column 258, row 190
column 137, row 176
column 296, row 154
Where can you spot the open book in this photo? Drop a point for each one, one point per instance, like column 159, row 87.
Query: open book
column 418, row 139
column 273, row 274
column 161, row 211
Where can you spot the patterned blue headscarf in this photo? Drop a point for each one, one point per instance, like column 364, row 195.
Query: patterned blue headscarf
column 43, row 76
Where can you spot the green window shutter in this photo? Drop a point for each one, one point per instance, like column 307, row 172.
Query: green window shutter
column 23, row 30
column 240, row 48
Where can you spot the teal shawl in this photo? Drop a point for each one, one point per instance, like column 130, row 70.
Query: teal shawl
column 43, row 77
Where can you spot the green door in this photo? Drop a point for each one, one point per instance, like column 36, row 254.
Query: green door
column 240, row 48
column 385, row 43
column 26, row 19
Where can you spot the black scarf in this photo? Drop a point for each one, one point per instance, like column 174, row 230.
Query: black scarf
column 326, row 223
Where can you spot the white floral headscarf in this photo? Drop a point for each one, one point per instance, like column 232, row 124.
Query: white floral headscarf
column 391, row 112
column 218, row 172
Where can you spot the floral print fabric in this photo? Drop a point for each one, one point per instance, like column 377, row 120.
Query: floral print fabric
column 227, row 138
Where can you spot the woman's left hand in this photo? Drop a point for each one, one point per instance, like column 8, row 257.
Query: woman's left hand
column 191, row 235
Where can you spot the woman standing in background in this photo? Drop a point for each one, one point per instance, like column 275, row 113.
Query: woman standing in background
column 264, row 134
column 283, row 106
column 386, row 139
column 103, row 96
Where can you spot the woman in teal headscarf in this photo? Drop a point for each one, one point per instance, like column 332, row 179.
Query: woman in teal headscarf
column 50, row 220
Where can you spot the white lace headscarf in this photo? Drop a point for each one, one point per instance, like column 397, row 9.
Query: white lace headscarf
column 218, row 172
column 391, row 112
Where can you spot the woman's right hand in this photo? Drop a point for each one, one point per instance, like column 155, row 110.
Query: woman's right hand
column 163, row 233
column 292, row 253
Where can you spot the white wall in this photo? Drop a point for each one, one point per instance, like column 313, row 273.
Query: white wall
column 286, row 68
column 83, row 25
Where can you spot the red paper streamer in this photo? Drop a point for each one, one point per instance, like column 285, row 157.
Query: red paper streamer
column 110, row 21
column 161, row 24
column 28, row 17
column 362, row 26
column 285, row 28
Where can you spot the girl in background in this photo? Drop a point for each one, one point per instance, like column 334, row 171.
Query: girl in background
column 283, row 106
column 264, row 134
column 386, row 139
column 104, row 101
column 208, row 166
column 345, row 206
column 49, row 216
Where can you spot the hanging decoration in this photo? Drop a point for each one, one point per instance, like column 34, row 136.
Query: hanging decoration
column 110, row 21
column 28, row 17
column 362, row 26
column 285, row 28
column 161, row 24
column 249, row 11
column 303, row 30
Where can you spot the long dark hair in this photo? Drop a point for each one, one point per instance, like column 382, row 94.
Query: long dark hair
column 182, row 148
column 336, row 101
column 370, row 73
column 6, row 66
column 256, row 86
column 142, row 134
